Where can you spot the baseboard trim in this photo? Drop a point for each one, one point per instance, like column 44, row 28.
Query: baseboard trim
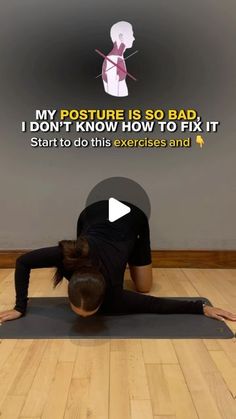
column 215, row 259
column 205, row 259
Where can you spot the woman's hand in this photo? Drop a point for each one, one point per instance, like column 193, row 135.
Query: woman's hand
column 9, row 315
column 218, row 313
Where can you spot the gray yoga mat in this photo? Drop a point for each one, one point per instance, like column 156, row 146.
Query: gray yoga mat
column 52, row 318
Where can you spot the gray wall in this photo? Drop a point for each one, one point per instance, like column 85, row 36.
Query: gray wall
column 186, row 59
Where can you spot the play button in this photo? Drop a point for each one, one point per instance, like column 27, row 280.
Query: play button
column 116, row 210
column 122, row 190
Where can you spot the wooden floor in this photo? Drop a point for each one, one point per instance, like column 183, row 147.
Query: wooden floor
column 122, row 379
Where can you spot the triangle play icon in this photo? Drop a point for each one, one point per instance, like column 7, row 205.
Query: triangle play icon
column 117, row 210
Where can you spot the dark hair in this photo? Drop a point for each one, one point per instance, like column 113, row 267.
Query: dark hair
column 87, row 285
column 86, row 290
column 75, row 257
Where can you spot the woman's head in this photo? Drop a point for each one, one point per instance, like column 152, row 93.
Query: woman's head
column 87, row 285
column 86, row 292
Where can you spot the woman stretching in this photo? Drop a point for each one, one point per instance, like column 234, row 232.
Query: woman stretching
column 94, row 264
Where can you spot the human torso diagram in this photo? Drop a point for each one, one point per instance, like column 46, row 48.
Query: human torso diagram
column 114, row 69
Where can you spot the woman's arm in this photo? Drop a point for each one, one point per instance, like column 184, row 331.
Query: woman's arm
column 126, row 301
column 40, row 258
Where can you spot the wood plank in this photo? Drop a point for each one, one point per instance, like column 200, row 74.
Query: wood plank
column 136, row 372
column 119, row 401
column 221, row 280
column 118, row 345
column 204, row 284
column 25, row 376
column 69, row 350
column 164, row 417
column 11, row 367
column 4, row 273
column 78, row 395
column 38, row 392
column 179, row 283
column 11, row 407
column 7, row 292
column 162, row 285
column 179, row 392
column 57, row 397
column 6, row 347
column 159, row 390
column 158, row 351
column 228, row 371
column 212, row 344
column 141, row 409
column 229, row 347
column 92, row 369
column 40, row 282
column 208, row 390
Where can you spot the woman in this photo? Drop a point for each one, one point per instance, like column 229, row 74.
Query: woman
column 94, row 264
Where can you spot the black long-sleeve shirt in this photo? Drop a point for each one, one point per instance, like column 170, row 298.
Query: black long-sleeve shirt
column 114, row 244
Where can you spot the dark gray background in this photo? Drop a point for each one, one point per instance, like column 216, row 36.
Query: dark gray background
column 186, row 59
